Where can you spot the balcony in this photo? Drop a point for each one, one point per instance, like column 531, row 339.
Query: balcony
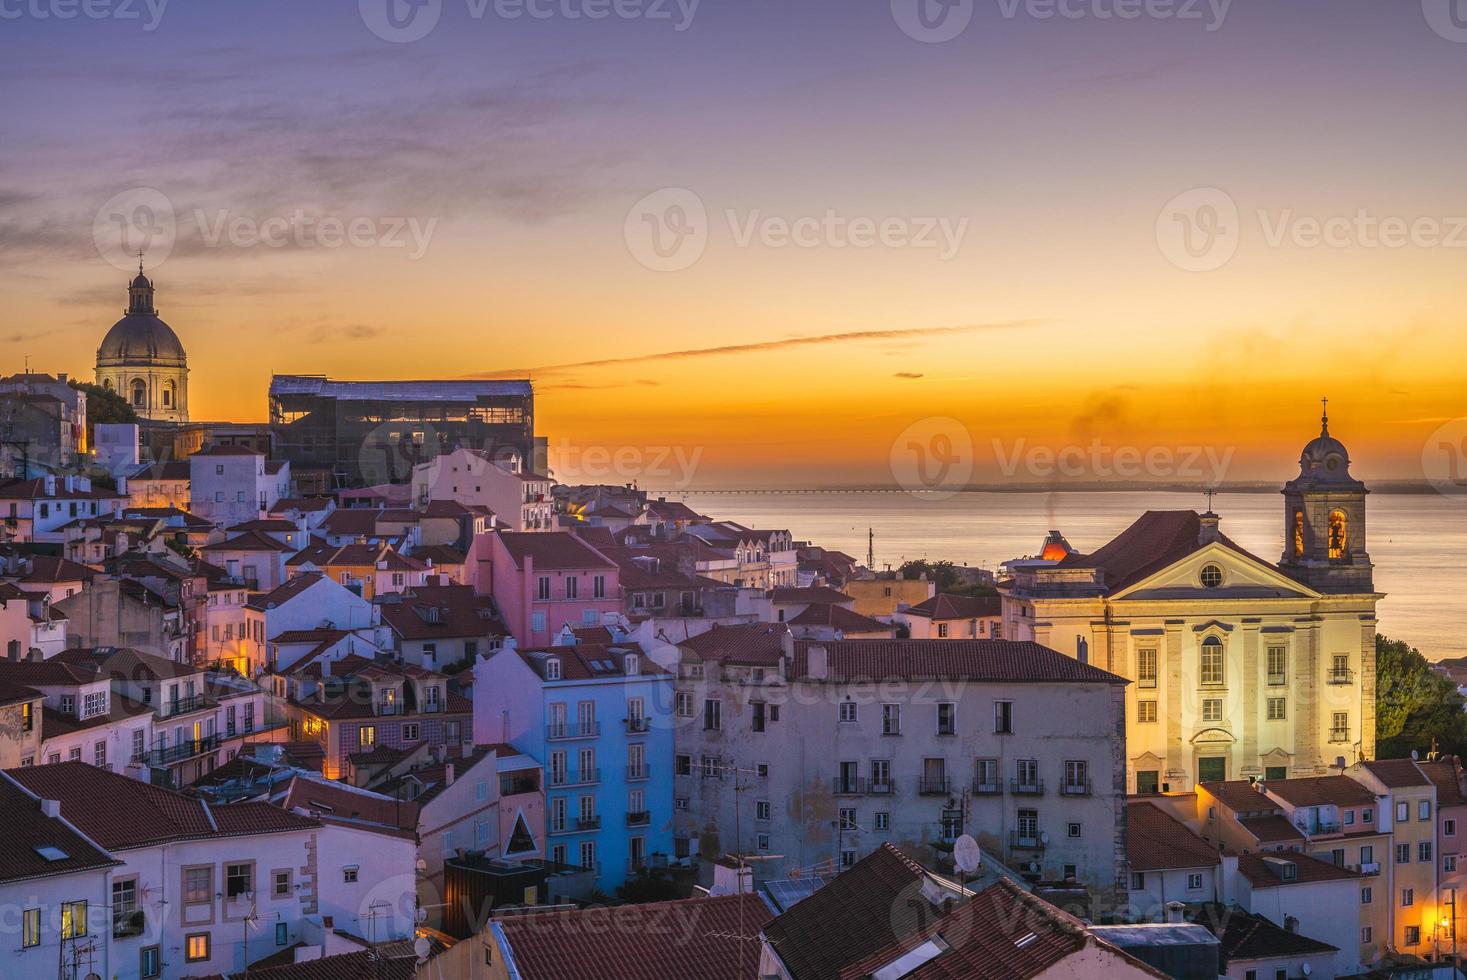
column 574, row 729
column 638, row 773
column 1027, row 840
column 1146, row 683
column 882, row 789
column 851, row 786
column 1339, row 736
column 390, row 708
column 636, row 726
column 581, row 777
column 588, row 823
column 1321, row 828
column 1340, row 675
column 934, row 786
column 182, row 706
column 639, row 818
column 1368, row 868
column 1077, row 788
column 177, row 753
column 1278, row 680
column 987, row 787
column 1026, row 787
column 128, row 924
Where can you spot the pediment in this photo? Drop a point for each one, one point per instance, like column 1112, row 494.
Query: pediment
column 1243, row 577
column 1214, row 736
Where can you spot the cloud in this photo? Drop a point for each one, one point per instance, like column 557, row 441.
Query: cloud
column 330, row 333
column 908, row 375
column 758, row 347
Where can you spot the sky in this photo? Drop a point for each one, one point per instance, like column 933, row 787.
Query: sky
column 754, row 243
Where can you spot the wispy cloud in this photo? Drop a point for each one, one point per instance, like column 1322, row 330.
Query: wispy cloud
column 907, row 375
column 759, row 347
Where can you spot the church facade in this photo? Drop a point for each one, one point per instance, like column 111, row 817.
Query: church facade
column 142, row 359
column 1239, row 667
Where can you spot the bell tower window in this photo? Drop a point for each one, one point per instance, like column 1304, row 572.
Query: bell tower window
column 168, row 395
column 1339, row 534
column 1298, row 534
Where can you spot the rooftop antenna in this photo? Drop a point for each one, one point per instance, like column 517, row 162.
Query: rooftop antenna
column 871, row 549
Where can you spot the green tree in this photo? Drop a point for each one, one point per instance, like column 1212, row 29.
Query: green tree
column 1414, row 705
column 946, row 576
column 105, row 407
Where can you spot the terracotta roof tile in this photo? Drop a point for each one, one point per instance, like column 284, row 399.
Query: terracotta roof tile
column 813, row 593
column 999, row 661
column 1157, row 539
column 945, row 606
column 1156, row 841
column 1260, row 873
column 840, row 618
column 551, row 550
column 1320, row 790
column 1446, row 775
column 27, row 829
column 1397, row 773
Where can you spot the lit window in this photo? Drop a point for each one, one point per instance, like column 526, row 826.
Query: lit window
column 196, row 947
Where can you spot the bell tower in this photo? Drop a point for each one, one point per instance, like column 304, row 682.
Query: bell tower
column 1324, row 520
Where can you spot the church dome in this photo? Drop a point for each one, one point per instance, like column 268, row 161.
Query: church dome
column 1325, row 459
column 141, row 337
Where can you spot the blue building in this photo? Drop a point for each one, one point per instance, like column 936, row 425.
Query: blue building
column 598, row 718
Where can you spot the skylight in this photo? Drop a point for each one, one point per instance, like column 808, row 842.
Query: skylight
column 52, row 853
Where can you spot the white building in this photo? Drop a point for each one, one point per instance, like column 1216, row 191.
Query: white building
column 230, row 485
column 520, row 499
column 829, row 749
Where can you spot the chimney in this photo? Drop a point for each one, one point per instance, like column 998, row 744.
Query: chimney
column 1174, row 912
column 50, row 486
column 817, row 663
column 122, row 486
column 1207, row 531
column 61, row 376
column 70, row 484
column 51, row 808
column 1082, row 649
column 448, row 774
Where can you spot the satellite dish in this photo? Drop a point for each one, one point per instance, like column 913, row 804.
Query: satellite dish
column 967, row 854
column 1034, row 867
column 422, row 947
column 422, row 915
column 1413, row 756
column 1307, row 969
column 1044, row 838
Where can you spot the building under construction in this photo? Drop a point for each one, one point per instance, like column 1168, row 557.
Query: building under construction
column 340, row 434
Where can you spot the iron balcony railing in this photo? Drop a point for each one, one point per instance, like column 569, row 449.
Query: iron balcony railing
column 852, row 786
column 639, row 818
column 1026, row 840
column 588, row 823
column 638, row 773
column 987, row 787
column 179, row 706
column 1075, row 788
column 933, row 785
column 183, row 750
column 1339, row 735
column 636, row 726
column 1027, row 787
column 572, row 729
column 882, row 788
column 1341, row 675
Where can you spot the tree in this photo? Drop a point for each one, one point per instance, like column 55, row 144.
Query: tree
column 104, row 406
column 947, row 577
column 1414, row 705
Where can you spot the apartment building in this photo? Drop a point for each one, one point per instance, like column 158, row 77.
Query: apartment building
column 1407, row 809
column 542, row 581
column 230, row 485
column 519, row 498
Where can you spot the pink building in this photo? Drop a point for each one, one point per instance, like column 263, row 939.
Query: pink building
column 543, row 581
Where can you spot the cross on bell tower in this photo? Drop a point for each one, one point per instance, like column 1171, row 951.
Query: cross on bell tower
column 1324, row 519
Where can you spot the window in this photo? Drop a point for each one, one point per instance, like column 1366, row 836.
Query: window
column 1212, row 662
column 127, row 918
column 683, row 765
column 1338, row 534
column 847, row 818
column 542, row 588
column 1276, row 709
column 366, row 736
column 1212, row 576
column 349, row 873
column 30, row 928
column 1408, row 897
column 1146, row 712
column 947, row 718
column 1278, row 665
column 1403, row 812
column 1003, row 717
column 552, row 668
column 1146, row 668
column 1403, row 853
column 1449, row 827
column 1339, row 728
column 891, row 719
column 1026, row 773
column 985, row 775
column 942, row 631
column 1413, row 936
column 150, row 962
column 1367, row 815
column 537, row 624
column 572, row 587
column 757, row 707
column 238, row 879
column 1423, row 851
column 1349, row 817
column 762, row 842
column 410, row 731
column 73, row 920
column 282, row 884
column 68, row 704
column 712, row 715
column 1449, row 862
column 763, row 810
column 99, row 755
column 1212, row 709
column 1138, row 881
column 1194, row 882
column 846, row 712
column 282, row 933
column 1074, row 830
column 1367, row 895
column 1423, row 810
column 1365, row 935
column 684, row 704
column 196, row 947
column 883, row 820
column 198, row 886
column 1077, row 777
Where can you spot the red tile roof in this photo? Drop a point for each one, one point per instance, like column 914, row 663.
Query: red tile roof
column 550, row 550
column 1310, row 869
column 583, row 661
column 945, row 606
column 1155, row 840
column 840, row 618
column 120, row 813
column 248, row 541
column 1320, row 790
column 440, row 612
column 812, row 593
column 682, row 940
column 1242, row 797
column 337, row 802
column 759, row 644
column 27, row 829
column 1157, row 539
column 1397, row 773
column 395, row 961
column 13, row 693
column 287, row 591
column 50, row 569
column 1003, row 661
column 1446, row 775
column 1272, row 829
